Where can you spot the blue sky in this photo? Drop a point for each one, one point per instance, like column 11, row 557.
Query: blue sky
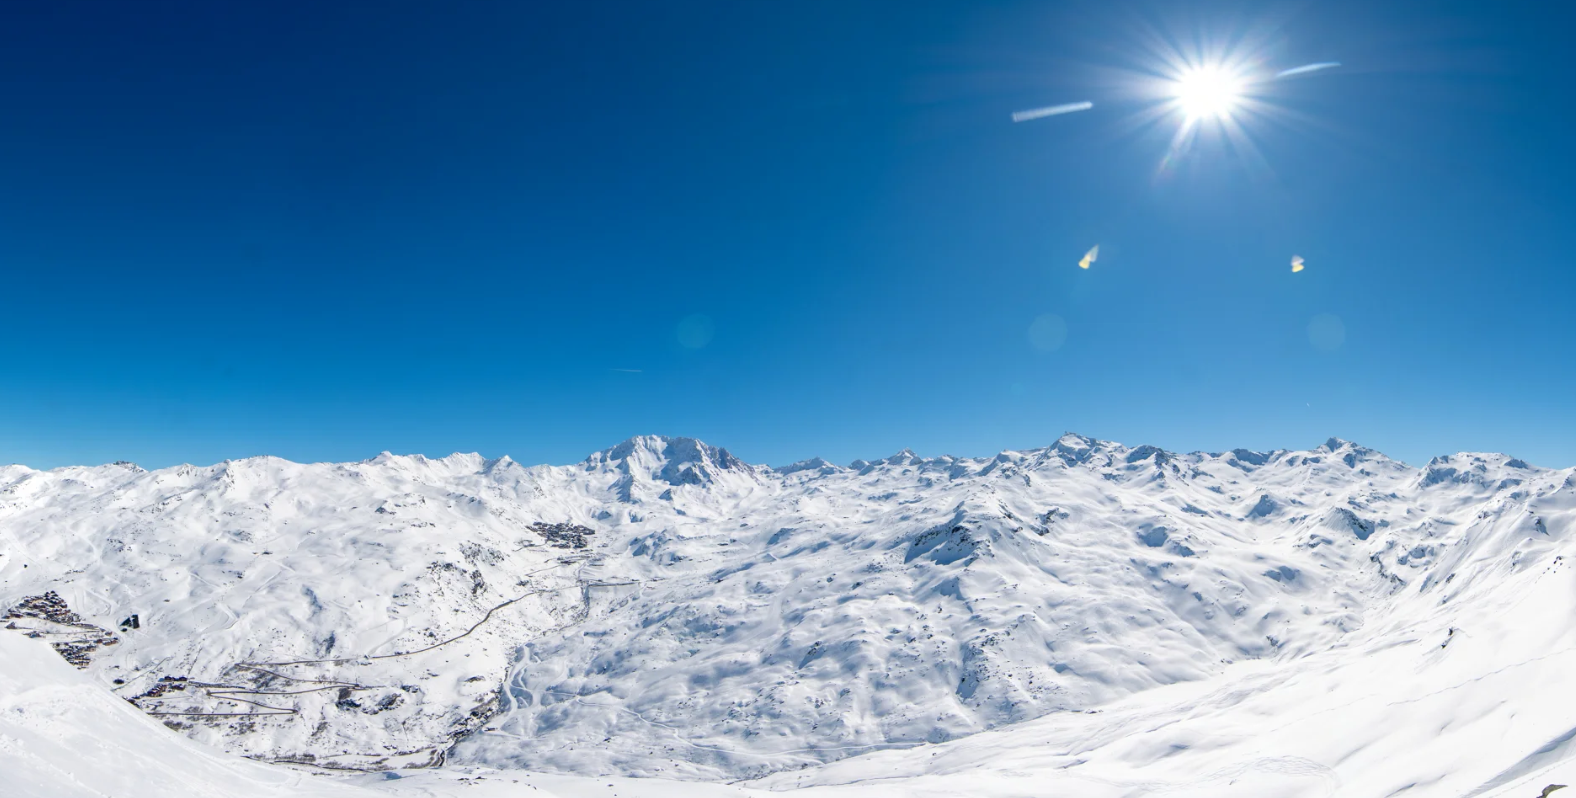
column 320, row 231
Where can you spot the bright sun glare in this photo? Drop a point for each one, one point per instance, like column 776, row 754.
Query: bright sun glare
column 1207, row 92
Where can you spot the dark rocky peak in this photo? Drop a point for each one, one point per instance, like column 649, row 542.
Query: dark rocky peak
column 1345, row 520
column 1350, row 453
column 1492, row 471
column 1246, row 459
column 1265, row 507
column 675, row 461
column 1142, row 453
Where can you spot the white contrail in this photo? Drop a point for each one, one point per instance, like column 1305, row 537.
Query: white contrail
column 1306, row 68
column 1053, row 110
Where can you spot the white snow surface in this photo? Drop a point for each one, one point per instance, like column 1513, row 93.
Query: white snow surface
column 62, row 736
column 1086, row 616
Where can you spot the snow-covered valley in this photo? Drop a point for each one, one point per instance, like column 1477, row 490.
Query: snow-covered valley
column 1088, row 617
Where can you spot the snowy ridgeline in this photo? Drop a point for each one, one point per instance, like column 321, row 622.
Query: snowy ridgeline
column 664, row 608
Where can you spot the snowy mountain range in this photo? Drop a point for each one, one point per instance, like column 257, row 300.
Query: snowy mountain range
column 665, row 609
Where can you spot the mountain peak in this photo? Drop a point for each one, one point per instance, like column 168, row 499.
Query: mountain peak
column 1073, row 448
column 1337, row 444
column 675, row 461
column 1072, row 441
column 905, row 456
column 663, row 447
column 813, row 464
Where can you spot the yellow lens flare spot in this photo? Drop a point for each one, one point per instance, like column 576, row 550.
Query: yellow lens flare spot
column 1296, row 263
column 1208, row 92
column 1089, row 257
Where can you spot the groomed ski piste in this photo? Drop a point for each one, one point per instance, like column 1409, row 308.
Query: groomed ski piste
column 1083, row 619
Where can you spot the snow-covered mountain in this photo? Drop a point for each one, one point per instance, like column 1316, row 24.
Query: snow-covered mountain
column 665, row 608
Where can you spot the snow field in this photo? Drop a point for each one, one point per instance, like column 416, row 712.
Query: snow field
column 1095, row 618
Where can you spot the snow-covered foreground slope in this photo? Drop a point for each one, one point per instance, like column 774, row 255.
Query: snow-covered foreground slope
column 1486, row 715
column 663, row 608
column 63, row 736
column 1470, row 693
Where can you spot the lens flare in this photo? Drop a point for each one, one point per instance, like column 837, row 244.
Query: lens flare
column 1054, row 110
column 1089, row 257
column 1208, row 92
column 1306, row 69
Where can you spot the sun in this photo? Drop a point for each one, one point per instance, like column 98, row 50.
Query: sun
column 1207, row 92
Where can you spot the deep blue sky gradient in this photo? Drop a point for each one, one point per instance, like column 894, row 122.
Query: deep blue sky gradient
column 322, row 230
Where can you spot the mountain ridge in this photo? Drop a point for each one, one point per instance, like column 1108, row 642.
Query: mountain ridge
column 717, row 619
column 1067, row 444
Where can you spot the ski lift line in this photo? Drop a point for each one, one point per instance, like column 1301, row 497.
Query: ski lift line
column 473, row 628
column 233, row 692
column 544, row 570
column 230, row 695
column 476, row 625
column 297, row 679
column 229, row 691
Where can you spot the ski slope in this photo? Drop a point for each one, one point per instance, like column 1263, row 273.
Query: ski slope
column 1111, row 620
column 63, row 736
